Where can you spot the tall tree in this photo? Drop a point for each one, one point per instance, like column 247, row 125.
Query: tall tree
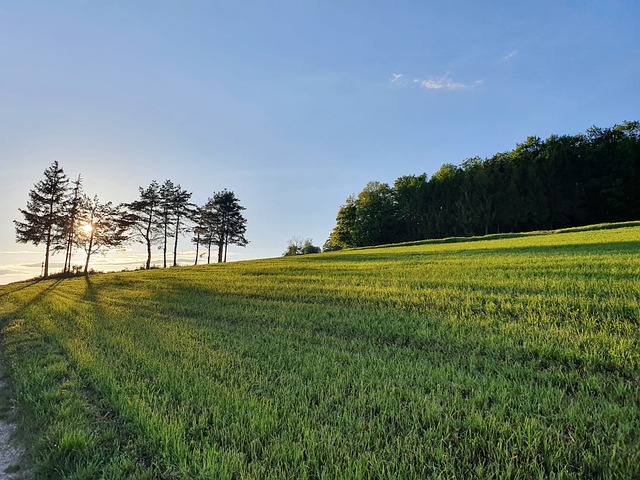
column 199, row 229
column 344, row 233
column 181, row 209
column 72, row 207
column 104, row 227
column 376, row 214
column 228, row 224
column 44, row 217
column 165, row 215
column 142, row 215
column 206, row 228
column 409, row 197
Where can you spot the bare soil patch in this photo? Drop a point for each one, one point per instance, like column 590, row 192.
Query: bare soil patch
column 11, row 452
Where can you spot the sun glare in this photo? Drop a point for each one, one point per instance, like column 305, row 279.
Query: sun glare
column 86, row 228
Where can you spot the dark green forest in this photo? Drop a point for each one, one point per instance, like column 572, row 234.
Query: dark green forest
column 563, row 181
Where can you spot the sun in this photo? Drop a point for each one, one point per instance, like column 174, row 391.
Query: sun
column 86, row 228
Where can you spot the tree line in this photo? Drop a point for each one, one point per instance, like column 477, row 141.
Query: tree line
column 564, row 181
column 60, row 216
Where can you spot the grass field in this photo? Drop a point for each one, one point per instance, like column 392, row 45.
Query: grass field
column 513, row 356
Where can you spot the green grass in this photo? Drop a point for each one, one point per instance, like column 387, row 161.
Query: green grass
column 515, row 356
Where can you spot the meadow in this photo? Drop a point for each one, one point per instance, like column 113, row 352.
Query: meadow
column 508, row 356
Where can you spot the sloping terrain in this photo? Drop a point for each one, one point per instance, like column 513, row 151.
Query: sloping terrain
column 512, row 356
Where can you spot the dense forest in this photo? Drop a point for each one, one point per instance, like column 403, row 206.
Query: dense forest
column 564, row 181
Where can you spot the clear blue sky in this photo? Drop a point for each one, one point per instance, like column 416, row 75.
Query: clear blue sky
column 293, row 105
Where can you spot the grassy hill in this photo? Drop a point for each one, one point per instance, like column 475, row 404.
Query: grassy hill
column 513, row 356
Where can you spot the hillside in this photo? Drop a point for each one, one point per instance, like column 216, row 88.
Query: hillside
column 505, row 356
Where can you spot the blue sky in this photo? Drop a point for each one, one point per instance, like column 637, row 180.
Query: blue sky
column 294, row 105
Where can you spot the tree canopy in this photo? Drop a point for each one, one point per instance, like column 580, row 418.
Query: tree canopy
column 564, row 181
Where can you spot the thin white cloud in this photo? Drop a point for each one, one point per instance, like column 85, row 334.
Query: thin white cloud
column 442, row 83
column 510, row 56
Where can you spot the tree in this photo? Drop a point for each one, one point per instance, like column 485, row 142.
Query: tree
column 298, row 246
column 205, row 229
column 72, row 207
column 199, row 230
column 44, row 217
column 142, row 215
column 165, row 214
column 409, row 197
column 181, row 209
column 228, row 224
column 561, row 182
column 344, row 233
column 103, row 227
column 376, row 216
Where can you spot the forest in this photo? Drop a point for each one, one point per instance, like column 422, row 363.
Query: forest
column 60, row 216
column 563, row 181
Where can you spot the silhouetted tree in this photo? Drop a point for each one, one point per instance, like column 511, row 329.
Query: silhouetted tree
column 44, row 217
column 103, row 227
column 206, row 226
column 142, row 214
column 199, row 229
column 165, row 215
column 71, row 211
column 228, row 224
column 181, row 210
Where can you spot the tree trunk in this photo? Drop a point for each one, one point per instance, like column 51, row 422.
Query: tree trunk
column 148, row 265
column 86, row 263
column 70, row 252
column 164, row 249
column 220, row 251
column 46, row 254
column 148, row 239
column 175, row 243
column 197, row 248
column 67, row 257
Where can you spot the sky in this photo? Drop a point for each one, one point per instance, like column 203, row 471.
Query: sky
column 293, row 105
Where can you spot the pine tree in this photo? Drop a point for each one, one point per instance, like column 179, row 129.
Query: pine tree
column 164, row 214
column 229, row 224
column 181, row 210
column 44, row 217
column 142, row 215
column 72, row 206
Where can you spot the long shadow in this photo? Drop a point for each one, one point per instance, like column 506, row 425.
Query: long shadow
column 40, row 294
column 28, row 285
column 90, row 293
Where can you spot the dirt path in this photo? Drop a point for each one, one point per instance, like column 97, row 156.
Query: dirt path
column 11, row 453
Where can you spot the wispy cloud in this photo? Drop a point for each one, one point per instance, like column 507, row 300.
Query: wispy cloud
column 434, row 83
column 509, row 56
column 442, row 83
